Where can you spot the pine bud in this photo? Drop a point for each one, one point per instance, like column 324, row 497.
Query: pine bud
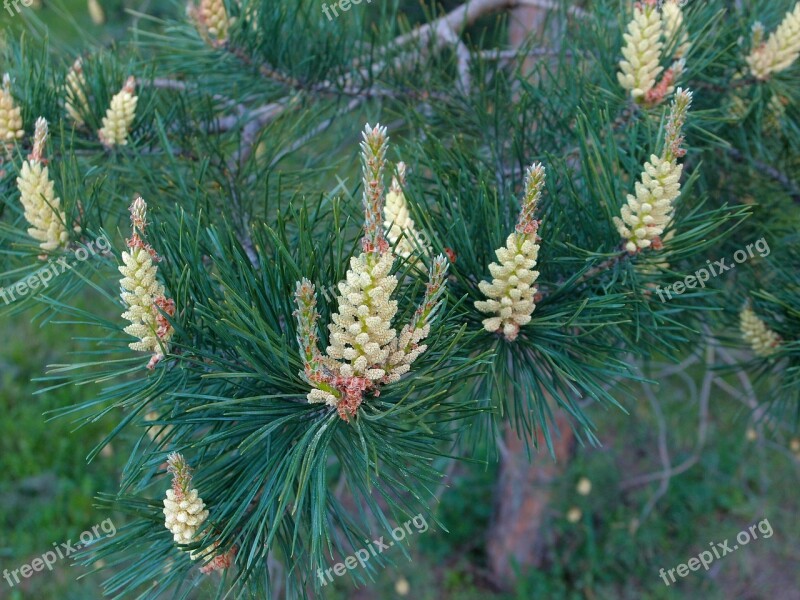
column 656, row 26
column 511, row 292
column 184, row 513
column 775, row 113
column 138, row 212
column 184, row 510
column 642, row 51
column 10, row 114
column 119, row 116
column 212, row 20
column 400, row 228
column 406, row 348
column 647, row 213
column 314, row 370
column 76, row 102
column 142, row 293
column 40, row 133
column 42, row 207
column 738, row 107
column 755, row 332
column 364, row 350
column 780, row 50
column 674, row 30
column 361, row 330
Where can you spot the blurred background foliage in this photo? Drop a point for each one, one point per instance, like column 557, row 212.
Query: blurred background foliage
column 609, row 543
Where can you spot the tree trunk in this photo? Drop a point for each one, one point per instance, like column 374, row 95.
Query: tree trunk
column 522, row 496
column 523, row 490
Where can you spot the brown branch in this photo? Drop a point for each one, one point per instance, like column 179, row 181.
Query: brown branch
column 724, row 88
column 606, row 265
column 768, row 170
column 468, row 13
column 446, row 30
column 241, row 229
column 256, row 120
column 165, row 83
column 505, row 55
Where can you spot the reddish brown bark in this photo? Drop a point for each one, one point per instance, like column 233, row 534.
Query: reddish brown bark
column 522, row 497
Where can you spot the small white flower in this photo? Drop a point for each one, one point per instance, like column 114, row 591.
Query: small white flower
column 96, row 12
column 574, row 514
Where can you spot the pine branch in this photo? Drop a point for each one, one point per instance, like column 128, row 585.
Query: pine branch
column 467, row 14
column 772, row 172
column 254, row 122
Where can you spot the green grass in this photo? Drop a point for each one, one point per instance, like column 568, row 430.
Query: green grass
column 70, row 24
column 48, row 488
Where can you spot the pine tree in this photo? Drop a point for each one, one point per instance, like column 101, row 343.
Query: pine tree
column 302, row 321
